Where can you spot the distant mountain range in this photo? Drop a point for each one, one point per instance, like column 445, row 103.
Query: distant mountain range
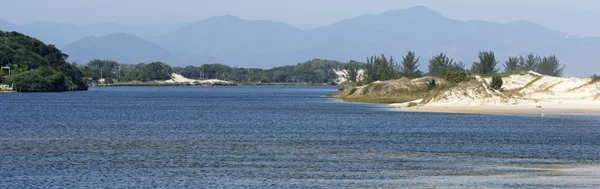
column 264, row 44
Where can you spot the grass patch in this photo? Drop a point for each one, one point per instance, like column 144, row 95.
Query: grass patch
column 365, row 90
column 352, row 91
column 547, row 89
column 531, row 83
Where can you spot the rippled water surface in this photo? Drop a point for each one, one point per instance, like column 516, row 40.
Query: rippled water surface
column 277, row 137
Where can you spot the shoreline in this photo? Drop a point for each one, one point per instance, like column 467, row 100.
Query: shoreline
column 580, row 107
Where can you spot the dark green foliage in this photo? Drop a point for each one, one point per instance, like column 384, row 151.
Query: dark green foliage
column 486, row 65
column 512, row 64
column 410, row 66
column 550, row 66
column 544, row 65
column 530, row 62
column 595, row 78
column 316, row 71
column 381, row 69
column 431, row 85
column 352, row 75
column 28, row 56
column 440, row 64
column 457, row 77
column 42, row 79
column 155, row 71
column 497, row 82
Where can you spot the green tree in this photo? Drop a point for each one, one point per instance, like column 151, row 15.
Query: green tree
column 155, row 71
column 550, row 66
column 440, row 64
column 410, row 66
column 353, row 72
column 530, row 62
column 512, row 64
column 487, row 63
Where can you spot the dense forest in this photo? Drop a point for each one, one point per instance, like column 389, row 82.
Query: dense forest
column 35, row 66
column 315, row 71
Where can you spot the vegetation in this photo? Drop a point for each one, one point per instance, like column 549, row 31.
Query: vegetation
column 550, row 66
column 36, row 67
column 595, row 78
column 431, row 85
column 111, row 71
column 544, row 65
column 486, row 65
column 457, row 77
column 381, row 69
column 497, row 82
column 441, row 64
column 410, row 66
column 353, row 72
column 316, row 71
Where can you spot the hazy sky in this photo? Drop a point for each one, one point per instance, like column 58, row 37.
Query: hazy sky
column 579, row 17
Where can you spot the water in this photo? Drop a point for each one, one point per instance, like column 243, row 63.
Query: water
column 276, row 137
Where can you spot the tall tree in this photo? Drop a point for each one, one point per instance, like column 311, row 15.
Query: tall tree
column 440, row 64
column 530, row 62
column 550, row 66
column 410, row 66
column 487, row 63
column 512, row 64
column 352, row 74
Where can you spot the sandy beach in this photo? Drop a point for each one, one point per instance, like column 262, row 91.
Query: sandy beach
column 569, row 107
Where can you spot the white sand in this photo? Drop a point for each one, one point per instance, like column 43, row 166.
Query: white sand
column 342, row 75
column 548, row 95
column 180, row 79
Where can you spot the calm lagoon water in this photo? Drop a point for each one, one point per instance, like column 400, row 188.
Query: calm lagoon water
column 276, row 137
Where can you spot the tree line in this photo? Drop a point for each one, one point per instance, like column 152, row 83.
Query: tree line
column 316, row 71
column 380, row 68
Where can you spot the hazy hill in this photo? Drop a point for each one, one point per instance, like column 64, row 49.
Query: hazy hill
column 265, row 44
column 126, row 48
column 237, row 42
column 61, row 34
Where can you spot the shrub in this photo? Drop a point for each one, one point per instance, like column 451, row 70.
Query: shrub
column 457, row 77
column 431, row 85
column 595, row 78
column 497, row 82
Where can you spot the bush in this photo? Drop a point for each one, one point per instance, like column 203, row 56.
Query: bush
column 457, row 77
column 595, row 78
column 431, row 85
column 497, row 82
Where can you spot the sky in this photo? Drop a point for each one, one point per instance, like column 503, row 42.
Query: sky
column 575, row 17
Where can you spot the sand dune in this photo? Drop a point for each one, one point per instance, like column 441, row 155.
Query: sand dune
column 530, row 93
